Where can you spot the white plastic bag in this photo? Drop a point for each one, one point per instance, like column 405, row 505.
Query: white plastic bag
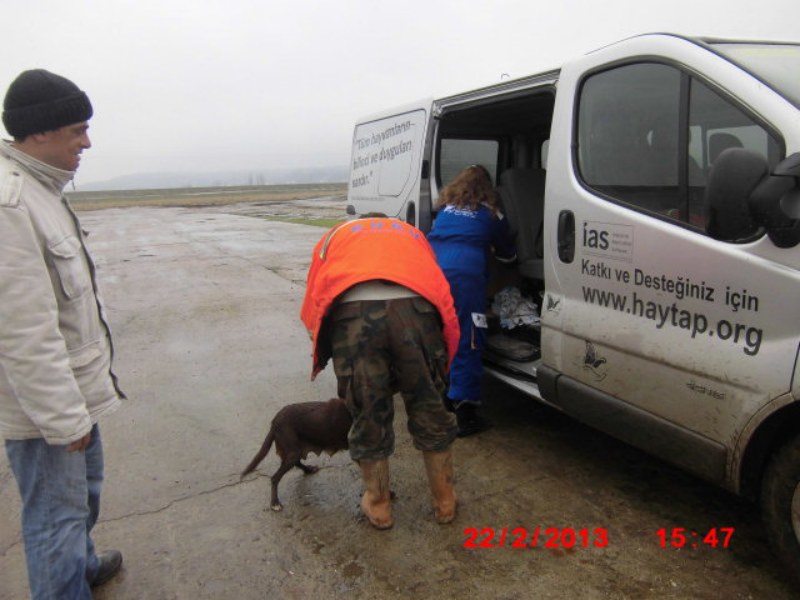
column 514, row 310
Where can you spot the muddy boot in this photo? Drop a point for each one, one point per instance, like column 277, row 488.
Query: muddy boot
column 376, row 502
column 439, row 466
column 469, row 421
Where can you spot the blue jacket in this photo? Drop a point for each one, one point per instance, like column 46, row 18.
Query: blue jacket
column 462, row 240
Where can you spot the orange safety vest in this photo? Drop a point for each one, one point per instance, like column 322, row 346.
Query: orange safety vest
column 368, row 249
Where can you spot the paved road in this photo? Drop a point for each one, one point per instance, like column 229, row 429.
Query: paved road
column 204, row 307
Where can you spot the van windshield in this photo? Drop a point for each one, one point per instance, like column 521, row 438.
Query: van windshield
column 777, row 65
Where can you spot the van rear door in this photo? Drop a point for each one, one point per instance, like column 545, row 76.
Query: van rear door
column 385, row 167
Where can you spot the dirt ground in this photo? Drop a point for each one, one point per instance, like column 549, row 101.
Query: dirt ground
column 204, row 306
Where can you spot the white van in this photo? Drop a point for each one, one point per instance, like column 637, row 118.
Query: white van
column 654, row 190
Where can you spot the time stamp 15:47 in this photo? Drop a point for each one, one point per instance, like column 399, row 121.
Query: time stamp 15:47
column 567, row 537
column 680, row 537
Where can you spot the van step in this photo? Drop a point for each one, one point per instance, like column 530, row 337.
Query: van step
column 511, row 348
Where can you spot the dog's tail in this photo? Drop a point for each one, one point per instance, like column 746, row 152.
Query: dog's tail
column 260, row 455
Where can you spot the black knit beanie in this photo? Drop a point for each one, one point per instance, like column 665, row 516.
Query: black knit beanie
column 39, row 101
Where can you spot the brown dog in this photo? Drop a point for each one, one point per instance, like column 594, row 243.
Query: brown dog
column 301, row 428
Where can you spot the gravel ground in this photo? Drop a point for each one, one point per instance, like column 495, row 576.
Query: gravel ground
column 204, row 305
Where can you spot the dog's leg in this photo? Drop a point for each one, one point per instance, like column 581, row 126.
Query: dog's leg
column 286, row 464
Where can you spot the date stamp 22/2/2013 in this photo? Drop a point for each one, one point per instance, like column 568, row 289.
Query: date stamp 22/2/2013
column 546, row 537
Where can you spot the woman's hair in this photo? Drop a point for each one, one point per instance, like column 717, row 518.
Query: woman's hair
column 470, row 188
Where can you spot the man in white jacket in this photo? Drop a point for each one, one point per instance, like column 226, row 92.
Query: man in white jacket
column 55, row 344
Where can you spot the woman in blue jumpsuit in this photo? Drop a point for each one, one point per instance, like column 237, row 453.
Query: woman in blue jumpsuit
column 467, row 227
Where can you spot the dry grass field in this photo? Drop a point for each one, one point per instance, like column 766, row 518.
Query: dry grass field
column 213, row 196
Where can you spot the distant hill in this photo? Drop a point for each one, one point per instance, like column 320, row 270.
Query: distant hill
column 166, row 180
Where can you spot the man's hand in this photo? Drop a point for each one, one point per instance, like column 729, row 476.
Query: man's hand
column 81, row 444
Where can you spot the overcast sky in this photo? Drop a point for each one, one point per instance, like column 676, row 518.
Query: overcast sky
column 196, row 85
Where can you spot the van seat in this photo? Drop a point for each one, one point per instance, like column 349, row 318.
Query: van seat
column 719, row 142
column 521, row 195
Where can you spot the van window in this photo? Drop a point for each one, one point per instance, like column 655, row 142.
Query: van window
column 717, row 125
column 648, row 135
column 628, row 134
column 457, row 154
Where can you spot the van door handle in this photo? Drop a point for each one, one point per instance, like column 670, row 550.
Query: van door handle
column 411, row 214
column 566, row 236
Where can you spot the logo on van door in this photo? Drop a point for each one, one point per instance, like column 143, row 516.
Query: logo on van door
column 608, row 240
column 592, row 361
column 552, row 304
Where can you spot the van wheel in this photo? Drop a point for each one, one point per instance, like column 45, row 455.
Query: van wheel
column 780, row 505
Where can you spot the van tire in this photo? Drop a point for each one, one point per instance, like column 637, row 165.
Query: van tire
column 780, row 488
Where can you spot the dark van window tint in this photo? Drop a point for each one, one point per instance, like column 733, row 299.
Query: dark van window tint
column 457, row 154
column 722, row 125
column 648, row 135
column 716, row 125
column 628, row 134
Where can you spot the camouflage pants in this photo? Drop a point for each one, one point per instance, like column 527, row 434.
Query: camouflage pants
column 383, row 346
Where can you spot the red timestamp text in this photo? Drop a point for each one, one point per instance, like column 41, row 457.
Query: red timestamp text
column 548, row 537
column 680, row 537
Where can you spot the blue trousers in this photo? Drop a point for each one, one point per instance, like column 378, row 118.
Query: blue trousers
column 60, row 494
column 466, row 370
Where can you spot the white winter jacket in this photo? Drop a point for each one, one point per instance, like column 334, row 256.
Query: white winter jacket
column 55, row 344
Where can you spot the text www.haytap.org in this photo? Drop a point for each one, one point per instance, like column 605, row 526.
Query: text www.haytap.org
column 670, row 315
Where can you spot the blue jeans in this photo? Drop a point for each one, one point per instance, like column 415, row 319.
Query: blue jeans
column 60, row 494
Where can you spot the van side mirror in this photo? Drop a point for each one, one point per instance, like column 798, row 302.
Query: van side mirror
column 775, row 203
column 742, row 197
